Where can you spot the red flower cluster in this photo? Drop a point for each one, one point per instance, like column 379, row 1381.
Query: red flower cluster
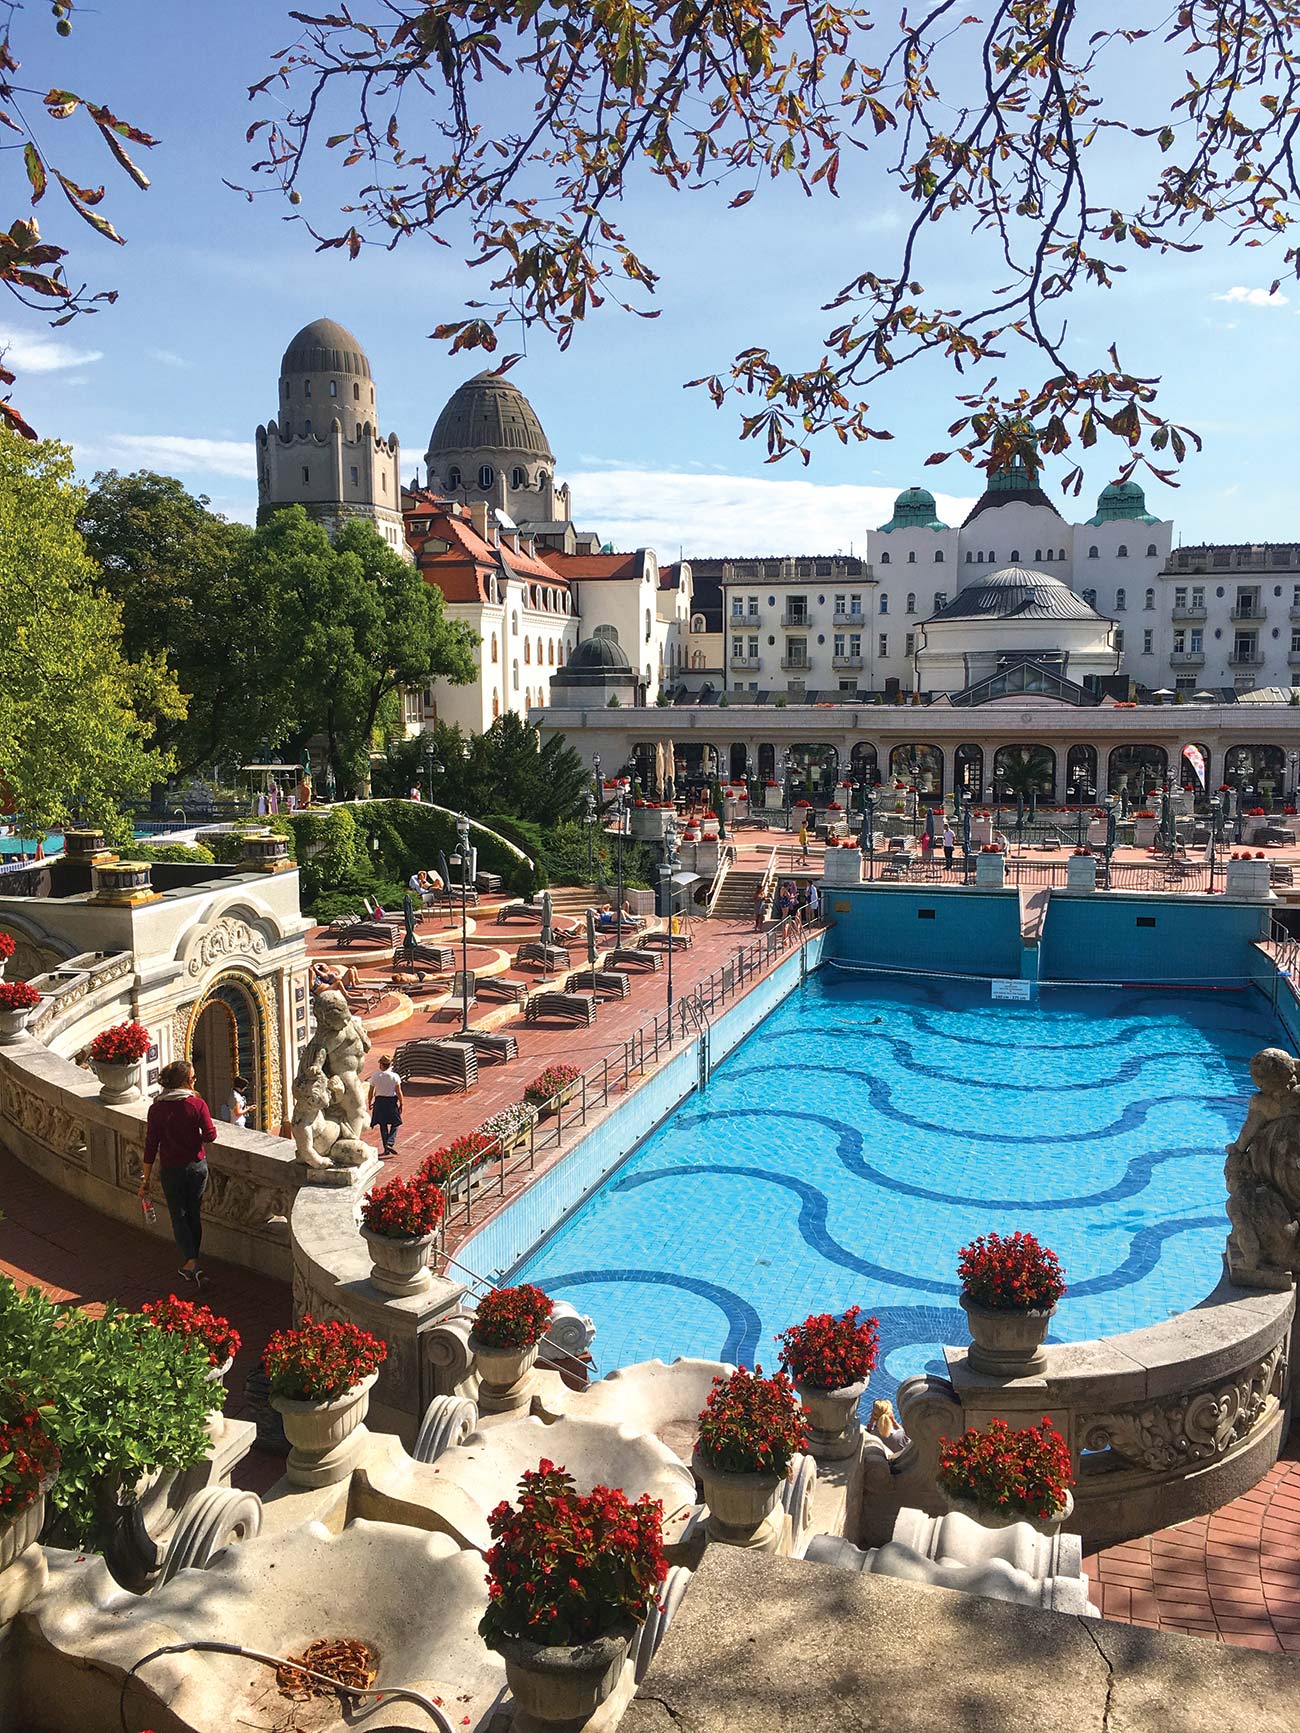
column 548, row 1083
column 991, row 848
column 219, row 1337
column 750, row 1424
column 443, row 1164
column 318, row 1361
column 566, row 1567
column 29, row 1459
column 1256, row 812
column 512, row 1317
column 120, row 1045
column 403, row 1209
column 18, row 996
column 7, row 947
column 1083, row 851
column 1011, row 1274
column 1004, row 1470
column 829, row 1352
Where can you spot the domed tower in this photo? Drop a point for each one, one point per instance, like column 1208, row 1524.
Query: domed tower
column 489, row 445
column 914, row 509
column 324, row 450
column 1122, row 501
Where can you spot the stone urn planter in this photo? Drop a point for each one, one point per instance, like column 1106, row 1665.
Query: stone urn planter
column 20, row 1531
column 834, row 1429
column 993, row 1516
column 1144, row 832
column 23, row 1569
column 13, row 1024
column 991, row 871
column 1007, row 1344
column 399, row 1266
column 506, row 1374
column 744, row 1509
column 842, row 866
column 564, row 1685
column 322, row 1436
column 118, row 1083
column 217, row 1416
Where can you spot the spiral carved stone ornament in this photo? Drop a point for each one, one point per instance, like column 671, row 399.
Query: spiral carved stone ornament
column 1183, row 1431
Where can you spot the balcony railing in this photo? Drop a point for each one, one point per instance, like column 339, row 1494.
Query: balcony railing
column 796, row 665
column 1248, row 611
column 793, row 619
column 846, row 661
column 1246, row 659
column 1294, row 613
column 851, row 617
column 737, row 621
column 1293, row 659
column 1188, row 659
column 743, row 661
column 1192, row 611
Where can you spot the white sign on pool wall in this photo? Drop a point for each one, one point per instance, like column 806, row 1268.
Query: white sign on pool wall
column 1012, row 989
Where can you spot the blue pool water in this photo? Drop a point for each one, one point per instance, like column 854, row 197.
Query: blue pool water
column 837, row 1159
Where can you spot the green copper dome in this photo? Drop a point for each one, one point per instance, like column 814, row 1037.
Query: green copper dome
column 914, row 509
column 1122, row 499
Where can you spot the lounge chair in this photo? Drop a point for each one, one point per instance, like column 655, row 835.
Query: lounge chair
column 352, row 930
column 518, row 911
column 666, row 941
column 569, row 1007
column 489, row 883
column 635, row 957
column 438, row 1061
column 454, row 895
column 552, row 958
column 504, row 988
column 607, row 982
column 488, row 1045
column 424, row 960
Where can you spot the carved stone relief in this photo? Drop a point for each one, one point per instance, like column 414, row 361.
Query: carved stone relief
column 1186, row 1430
column 228, row 937
column 44, row 1120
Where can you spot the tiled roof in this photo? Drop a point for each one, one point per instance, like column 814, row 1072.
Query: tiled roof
column 597, row 565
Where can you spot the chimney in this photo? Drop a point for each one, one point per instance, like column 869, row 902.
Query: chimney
column 478, row 516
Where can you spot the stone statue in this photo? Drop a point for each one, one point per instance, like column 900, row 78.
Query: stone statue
column 329, row 1112
column 1263, row 1178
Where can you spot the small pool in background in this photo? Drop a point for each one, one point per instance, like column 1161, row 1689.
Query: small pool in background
column 872, row 1125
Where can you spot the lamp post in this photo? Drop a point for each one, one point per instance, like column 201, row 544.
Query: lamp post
column 462, row 837
column 913, row 777
column 785, row 785
column 1216, row 814
column 669, row 866
column 595, row 771
column 432, row 767
column 1078, row 796
column 589, row 820
column 1293, row 764
column 869, row 826
column 620, row 807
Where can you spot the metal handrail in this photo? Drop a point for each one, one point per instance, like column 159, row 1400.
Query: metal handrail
column 726, row 860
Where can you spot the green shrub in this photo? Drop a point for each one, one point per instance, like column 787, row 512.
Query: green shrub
column 182, row 853
column 125, row 1398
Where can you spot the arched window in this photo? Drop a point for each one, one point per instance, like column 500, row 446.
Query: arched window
column 356, row 393
column 308, row 424
column 911, row 602
column 514, row 675
column 1150, row 601
column 539, row 652
column 1121, row 600
column 938, row 556
column 486, row 476
column 1151, row 550
column 969, row 557
column 528, row 650
column 1015, row 556
column 334, row 390
column 648, row 628
column 1092, row 552
column 1121, row 552
column 518, row 476
column 1038, row 554
column 494, row 646
column 306, row 387
column 884, row 559
column 1090, row 596
column 884, row 604
column 514, row 623
column 453, row 477
column 697, row 623
column 911, row 558
column 550, row 652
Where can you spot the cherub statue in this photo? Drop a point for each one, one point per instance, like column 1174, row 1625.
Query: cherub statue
column 1276, row 1076
column 342, row 1044
column 329, row 1103
column 1263, row 1177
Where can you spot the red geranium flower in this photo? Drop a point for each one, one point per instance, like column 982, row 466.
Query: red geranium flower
column 1010, row 1274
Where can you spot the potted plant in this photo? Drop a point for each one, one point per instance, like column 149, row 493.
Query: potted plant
column 18, row 999
column 7, row 949
column 214, row 1335
column 508, row 1326
column 116, row 1054
column 749, row 1428
column 320, row 1376
column 999, row 1476
column 443, row 1166
column 831, row 1360
column 511, row 1126
column 398, row 1223
column 551, row 1088
column 570, row 1577
column 1009, row 1289
column 29, row 1461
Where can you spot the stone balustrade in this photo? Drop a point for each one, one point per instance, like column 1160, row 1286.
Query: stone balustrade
column 80, row 989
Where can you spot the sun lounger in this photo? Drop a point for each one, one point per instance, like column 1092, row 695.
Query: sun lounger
column 569, row 1007
column 518, row 911
column 489, row 882
column 438, row 1061
column 352, row 930
column 634, row 957
column 609, row 983
column 664, row 941
column 489, row 1045
column 552, row 958
column 503, row 987
column 424, row 960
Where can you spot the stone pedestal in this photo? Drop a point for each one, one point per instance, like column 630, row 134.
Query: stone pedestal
column 773, row 799
column 842, row 866
column 1081, row 872
column 266, row 852
column 123, row 884
column 990, row 871
column 1144, row 832
column 1249, row 879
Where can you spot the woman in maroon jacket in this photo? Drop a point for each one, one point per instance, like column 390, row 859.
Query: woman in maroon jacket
column 176, row 1131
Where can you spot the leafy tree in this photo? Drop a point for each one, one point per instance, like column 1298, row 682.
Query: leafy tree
column 1026, row 770
column 506, row 769
column 31, row 268
column 516, row 131
column 178, row 573
column 73, row 734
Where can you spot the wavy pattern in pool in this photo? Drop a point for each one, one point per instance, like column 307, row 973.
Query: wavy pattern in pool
column 869, row 1128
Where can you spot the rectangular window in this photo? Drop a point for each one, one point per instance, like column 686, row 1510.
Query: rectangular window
column 796, row 652
column 354, row 474
column 737, row 608
column 839, row 605
column 1295, row 643
column 884, row 644
column 753, row 649
column 752, row 604
column 848, row 686
column 1194, row 639
column 855, row 604
column 909, row 643
column 797, row 609
column 1180, row 596
column 1198, row 596
column 839, row 644
column 1295, row 595
column 306, row 473
column 1148, row 642
column 737, row 647
column 940, row 600
column 855, row 643
column 1180, row 643
column 1185, row 683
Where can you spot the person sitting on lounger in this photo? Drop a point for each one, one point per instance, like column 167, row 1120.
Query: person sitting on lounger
column 323, row 977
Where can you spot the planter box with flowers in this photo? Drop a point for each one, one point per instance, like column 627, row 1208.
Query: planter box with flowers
column 320, row 1377
column 570, row 1577
column 511, row 1126
column 116, row 1054
column 981, row 829
column 842, row 864
column 507, row 1329
column 1144, row 829
column 217, row 1336
column 18, row 999
column 29, row 1461
column 1248, row 877
column 1009, row 1289
column 749, row 1429
column 649, row 822
column 1081, row 871
column 990, row 868
column 831, row 1360
column 998, row 1476
column 552, row 1088
column 452, row 1166
column 399, row 1222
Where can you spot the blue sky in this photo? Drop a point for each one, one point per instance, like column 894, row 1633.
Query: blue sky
column 179, row 373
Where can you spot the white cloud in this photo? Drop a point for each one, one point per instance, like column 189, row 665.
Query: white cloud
column 1253, row 297
column 174, row 453
column 169, row 358
column 30, row 352
column 709, row 515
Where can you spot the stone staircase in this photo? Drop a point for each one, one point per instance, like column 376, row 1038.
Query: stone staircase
column 736, row 898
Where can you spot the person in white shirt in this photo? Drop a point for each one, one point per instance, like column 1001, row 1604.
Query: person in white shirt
column 949, row 844
column 237, row 1101
column 385, row 1104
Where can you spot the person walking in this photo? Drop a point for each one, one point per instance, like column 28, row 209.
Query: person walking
column 803, row 842
column 812, row 906
column 385, row 1104
column 760, row 907
column 176, row 1131
column 237, row 1102
column 949, row 844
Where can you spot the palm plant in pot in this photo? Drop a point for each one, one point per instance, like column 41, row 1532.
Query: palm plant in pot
column 749, row 1428
column 998, row 1475
column 320, row 1376
column 399, row 1221
column 508, row 1328
column 1009, row 1289
column 831, row 1360
column 570, row 1577
column 29, row 1461
column 18, row 999
column 116, row 1054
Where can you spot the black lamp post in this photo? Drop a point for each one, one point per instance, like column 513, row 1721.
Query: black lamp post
column 869, row 826
column 620, row 807
column 671, row 861
column 785, row 785
column 432, row 767
column 914, row 780
column 462, row 837
column 595, row 771
column 1078, row 796
column 589, row 819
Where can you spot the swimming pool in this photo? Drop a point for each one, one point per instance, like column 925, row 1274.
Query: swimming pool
column 872, row 1125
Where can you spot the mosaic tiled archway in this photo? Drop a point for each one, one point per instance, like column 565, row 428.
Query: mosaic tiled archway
column 241, row 1006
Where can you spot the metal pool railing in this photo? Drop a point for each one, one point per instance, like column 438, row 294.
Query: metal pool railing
column 477, row 1190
